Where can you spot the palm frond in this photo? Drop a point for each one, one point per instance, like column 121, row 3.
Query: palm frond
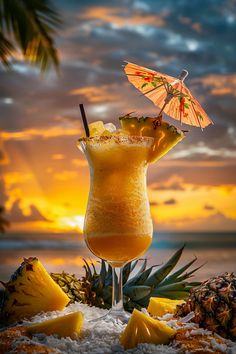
column 6, row 50
column 33, row 24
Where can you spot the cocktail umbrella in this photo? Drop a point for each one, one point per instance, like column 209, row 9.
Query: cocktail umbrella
column 168, row 93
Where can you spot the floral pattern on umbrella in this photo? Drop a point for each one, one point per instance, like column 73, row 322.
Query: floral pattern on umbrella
column 169, row 94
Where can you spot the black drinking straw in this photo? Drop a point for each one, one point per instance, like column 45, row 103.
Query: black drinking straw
column 85, row 123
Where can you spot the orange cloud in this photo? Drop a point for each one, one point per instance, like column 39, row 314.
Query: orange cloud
column 196, row 26
column 52, row 132
column 219, row 84
column 13, row 178
column 65, row 175
column 58, row 156
column 120, row 17
column 4, row 159
column 76, row 261
column 96, row 94
column 216, row 221
column 173, row 183
column 79, row 163
column 191, row 202
column 17, row 213
column 188, row 163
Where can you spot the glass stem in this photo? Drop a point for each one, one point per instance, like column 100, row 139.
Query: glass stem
column 117, row 290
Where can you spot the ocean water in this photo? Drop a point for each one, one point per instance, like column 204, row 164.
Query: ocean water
column 215, row 251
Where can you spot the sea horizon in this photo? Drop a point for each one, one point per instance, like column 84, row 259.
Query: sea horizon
column 161, row 239
column 65, row 251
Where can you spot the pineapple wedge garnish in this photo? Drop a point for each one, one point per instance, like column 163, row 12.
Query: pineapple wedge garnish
column 142, row 328
column 165, row 136
column 29, row 291
column 160, row 306
column 64, row 326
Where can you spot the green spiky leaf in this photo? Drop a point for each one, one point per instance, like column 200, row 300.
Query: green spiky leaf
column 140, row 278
column 95, row 288
column 163, row 271
column 173, row 277
column 137, row 292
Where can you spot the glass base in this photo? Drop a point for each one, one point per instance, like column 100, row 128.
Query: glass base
column 114, row 316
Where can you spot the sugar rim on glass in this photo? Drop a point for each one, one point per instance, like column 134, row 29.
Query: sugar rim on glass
column 118, row 139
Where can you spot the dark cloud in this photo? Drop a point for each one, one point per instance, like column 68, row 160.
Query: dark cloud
column 208, row 207
column 170, row 201
column 15, row 214
column 215, row 222
column 171, row 183
column 3, row 194
column 154, row 204
column 198, row 175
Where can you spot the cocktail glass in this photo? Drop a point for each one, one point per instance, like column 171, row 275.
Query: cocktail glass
column 118, row 226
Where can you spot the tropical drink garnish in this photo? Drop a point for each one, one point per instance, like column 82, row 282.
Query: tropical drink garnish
column 165, row 136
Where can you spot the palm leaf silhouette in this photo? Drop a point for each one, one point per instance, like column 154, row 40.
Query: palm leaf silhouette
column 29, row 25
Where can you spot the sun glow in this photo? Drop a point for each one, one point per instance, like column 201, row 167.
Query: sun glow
column 75, row 222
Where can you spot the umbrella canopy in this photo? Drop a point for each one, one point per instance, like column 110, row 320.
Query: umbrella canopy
column 168, row 93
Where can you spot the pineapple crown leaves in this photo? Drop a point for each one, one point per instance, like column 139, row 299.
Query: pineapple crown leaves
column 128, row 270
column 178, row 276
column 140, row 278
column 137, row 293
column 88, row 272
column 160, row 274
column 144, row 284
column 138, row 119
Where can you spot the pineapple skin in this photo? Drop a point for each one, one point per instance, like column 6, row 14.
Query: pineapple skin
column 160, row 306
column 143, row 329
column 214, row 305
column 29, row 291
column 64, row 326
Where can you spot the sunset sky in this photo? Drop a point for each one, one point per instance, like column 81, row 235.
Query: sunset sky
column 44, row 180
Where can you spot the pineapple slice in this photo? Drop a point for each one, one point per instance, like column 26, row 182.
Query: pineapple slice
column 165, row 136
column 160, row 306
column 144, row 329
column 64, row 326
column 29, row 291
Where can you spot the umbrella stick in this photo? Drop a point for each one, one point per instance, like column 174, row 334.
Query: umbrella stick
column 84, row 119
column 160, row 113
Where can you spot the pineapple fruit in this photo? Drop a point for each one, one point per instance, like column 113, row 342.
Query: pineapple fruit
column 29, row 291
column 214, row 305
column 63, row 326
column 165, row 136
column 32, row 290
column 160, row 306
column 142, row 328
column 95, row 287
